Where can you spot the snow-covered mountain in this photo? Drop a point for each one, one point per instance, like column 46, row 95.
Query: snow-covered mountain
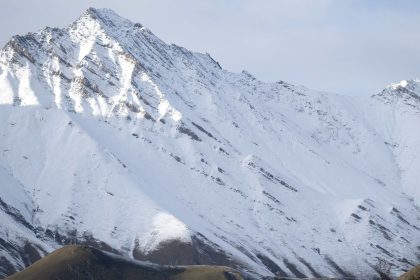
column 111, row 137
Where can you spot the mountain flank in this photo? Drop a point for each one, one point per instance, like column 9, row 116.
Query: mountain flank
column 111, row 137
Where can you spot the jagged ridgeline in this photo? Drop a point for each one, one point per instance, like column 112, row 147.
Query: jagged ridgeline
column 112, row 138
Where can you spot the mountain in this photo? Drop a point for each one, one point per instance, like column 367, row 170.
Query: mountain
column 112, row 138
column 85, row 263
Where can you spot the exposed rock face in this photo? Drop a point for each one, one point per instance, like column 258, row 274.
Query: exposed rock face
column 112, row 138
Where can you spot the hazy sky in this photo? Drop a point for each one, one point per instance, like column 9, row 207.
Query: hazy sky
column 347, row 46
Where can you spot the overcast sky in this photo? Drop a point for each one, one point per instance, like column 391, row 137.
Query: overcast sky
column 344, row 46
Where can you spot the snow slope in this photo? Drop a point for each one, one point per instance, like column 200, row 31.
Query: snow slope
column 108, row 133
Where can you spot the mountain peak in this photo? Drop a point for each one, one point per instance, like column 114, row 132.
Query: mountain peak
column 413, row 85
column 407, row 87
column 105, row 15
column 102, row 12
column 106, row 18
column 407, row 91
